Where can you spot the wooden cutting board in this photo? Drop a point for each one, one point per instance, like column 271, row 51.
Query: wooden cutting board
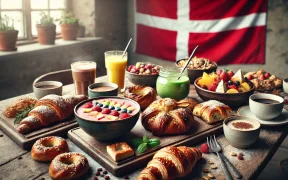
column 27, row 140
column 97, row 150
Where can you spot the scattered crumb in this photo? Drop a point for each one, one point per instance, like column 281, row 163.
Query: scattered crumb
column 206, row 170
column 241, row 154
column 210, row 162
column 214, row 167
column 233, row 154
column 210, row 175
column 205, row 178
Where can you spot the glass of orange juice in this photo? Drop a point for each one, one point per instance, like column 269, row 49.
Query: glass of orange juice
column 116, row 66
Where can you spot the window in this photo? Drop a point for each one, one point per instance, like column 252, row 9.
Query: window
column 26, row 14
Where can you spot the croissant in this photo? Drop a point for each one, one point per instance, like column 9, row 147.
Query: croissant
column 167, row 116
column 171, row 163
column 144, row 95
column 48, row 110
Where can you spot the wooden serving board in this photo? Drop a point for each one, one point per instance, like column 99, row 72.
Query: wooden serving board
column 97, row 150
column 27, row 140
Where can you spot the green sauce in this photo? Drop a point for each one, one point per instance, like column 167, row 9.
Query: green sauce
column 170, row 87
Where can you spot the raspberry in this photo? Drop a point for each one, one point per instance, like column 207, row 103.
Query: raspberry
column 97, row 108
column 88, row 105
column 114, row 113
column 204, row 148
column 240, row 157
column 106, row 111
column 124, row 115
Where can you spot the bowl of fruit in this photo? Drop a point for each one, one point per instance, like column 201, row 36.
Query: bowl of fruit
column 225, row 86
column 143, row 73
column 197, row 66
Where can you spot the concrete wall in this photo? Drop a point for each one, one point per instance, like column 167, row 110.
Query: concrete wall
column 276, row 45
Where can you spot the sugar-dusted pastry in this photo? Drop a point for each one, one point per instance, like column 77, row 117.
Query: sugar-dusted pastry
column 119, row 151
column 212, row 111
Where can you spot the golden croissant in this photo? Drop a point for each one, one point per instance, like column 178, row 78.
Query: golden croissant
column 168, row 116
column 48, row 110
column 171, row 163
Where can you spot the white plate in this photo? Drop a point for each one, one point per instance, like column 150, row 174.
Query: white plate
column 280, row 120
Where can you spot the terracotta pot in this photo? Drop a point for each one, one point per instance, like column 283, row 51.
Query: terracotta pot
column 69, row 31
column 46, row 34
column 8, row 40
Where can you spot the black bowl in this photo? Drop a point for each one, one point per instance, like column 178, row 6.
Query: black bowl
column 107, row 130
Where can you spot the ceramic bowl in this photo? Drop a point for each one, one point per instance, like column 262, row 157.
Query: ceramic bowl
column 107, row 130
column 193, row 74
column 241, row 138
column 44, row 88
column 112, row 91
column 265, row 111
column 285, row 85
column 233, row 100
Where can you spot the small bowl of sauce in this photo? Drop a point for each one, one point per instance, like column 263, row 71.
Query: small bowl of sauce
column 44, row 88
column 266, row 106
column 241, row 132
column 102, row 89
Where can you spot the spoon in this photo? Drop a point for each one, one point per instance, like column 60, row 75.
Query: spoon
column 126, row 48
column 188, row 61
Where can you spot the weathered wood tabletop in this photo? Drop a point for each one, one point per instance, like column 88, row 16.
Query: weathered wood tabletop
column 16, row 163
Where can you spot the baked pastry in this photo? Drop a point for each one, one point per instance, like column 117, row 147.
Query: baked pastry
column 68, row 166
column 212, row 111
column 120, row 151
column 48, row 110
column 171, row 163
column 167, row 116
column 263, row 81
column 143, row 95
column 18, row 106
column 47, row 148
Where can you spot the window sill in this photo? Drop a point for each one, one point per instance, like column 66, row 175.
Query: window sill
column 38, row 47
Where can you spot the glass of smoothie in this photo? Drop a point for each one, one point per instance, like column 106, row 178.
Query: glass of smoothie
column 84, row 74
column 116, row 66
column 169, row 86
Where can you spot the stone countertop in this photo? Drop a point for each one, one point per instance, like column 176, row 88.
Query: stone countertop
column 16, row 163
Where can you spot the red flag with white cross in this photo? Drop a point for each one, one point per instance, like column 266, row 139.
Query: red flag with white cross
column 227, row 31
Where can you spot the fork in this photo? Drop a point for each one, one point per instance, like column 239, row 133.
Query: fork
column 216, row 148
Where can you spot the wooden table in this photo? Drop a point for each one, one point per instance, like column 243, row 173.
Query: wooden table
column 16, row 163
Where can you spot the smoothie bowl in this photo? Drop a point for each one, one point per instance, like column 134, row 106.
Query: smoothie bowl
column 107, row 118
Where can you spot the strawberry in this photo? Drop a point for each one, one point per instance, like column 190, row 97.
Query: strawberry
column 224, row 76
column 262, row 77
column 106, row 111
column 124, row 115
column 219, row 71
column 230, row 73
column 267, row 75
column 250, row 77
column 97, row 108
column 213, row 86
column 114, row 113
column 204, row 148
column 233, row 86
column 88, row 105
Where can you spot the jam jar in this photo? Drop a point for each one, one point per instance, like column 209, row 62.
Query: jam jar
column 169, row 86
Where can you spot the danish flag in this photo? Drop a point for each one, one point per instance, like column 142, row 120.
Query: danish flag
column 227, row 31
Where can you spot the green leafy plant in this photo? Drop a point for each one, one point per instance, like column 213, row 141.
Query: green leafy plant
column 46, row 19
column 144, row 143
column 22, row 114
column 67, row 18
column 6, row 23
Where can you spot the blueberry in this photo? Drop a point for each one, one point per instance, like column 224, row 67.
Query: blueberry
column 129, row 111
column 111, row 107
column 246, row 79
column 105, row 106
column 117, row 109
column 100, row 104
column 237, row 83
column 95, row 103
column 124, row 109
column 230, row 82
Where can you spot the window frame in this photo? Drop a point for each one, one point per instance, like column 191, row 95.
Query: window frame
column 27, row 20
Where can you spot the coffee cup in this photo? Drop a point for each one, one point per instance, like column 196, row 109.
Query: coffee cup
column 241, row 132
column 102, row 89
column 44, row 88
column 285, row 85
column 266, row 106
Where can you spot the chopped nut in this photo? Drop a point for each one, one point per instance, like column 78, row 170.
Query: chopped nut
column 233, row 154
column 206, row 170
column 210, row 162
column 210, row 176
column 205, row 178
column 213, row 166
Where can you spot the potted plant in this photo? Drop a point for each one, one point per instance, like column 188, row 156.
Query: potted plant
column 8, row 35
column 46, row 29
column 69, row 26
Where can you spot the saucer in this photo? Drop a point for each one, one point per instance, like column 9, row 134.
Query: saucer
column 280, row 120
